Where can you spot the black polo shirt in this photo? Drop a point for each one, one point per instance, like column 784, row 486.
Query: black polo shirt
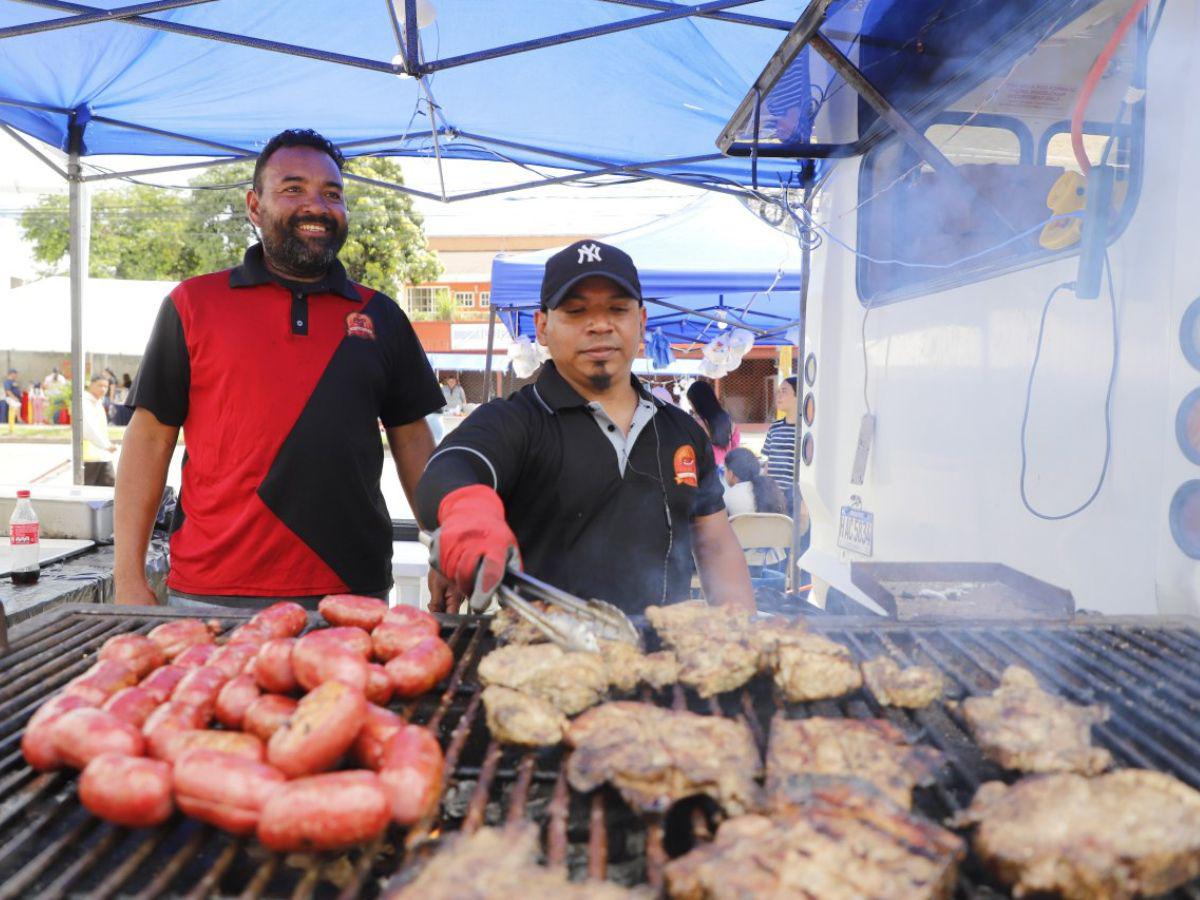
column 280, row 388
column 581, row 524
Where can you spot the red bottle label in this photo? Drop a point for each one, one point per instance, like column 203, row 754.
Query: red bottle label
column 24, row 533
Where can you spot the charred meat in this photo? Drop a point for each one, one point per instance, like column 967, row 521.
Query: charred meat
column 496, row 864
column 810, row 667
column 1129, row 833
column 1022, row 727
column 517, row 718
column 912, row 688
column 715, row 645
column 872, row 750
column 571, row 682
column 628, row 667
column 838, row 840
column 655, row 756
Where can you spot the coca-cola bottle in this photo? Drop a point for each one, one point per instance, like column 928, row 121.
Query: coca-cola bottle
column 23, row 536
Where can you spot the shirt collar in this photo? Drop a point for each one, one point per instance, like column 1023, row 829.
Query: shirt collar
column 254, row 272
column 557, row 394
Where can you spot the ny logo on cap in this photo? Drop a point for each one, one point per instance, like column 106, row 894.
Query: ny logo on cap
column 589, row 253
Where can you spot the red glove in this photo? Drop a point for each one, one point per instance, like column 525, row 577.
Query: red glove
column 474, row 540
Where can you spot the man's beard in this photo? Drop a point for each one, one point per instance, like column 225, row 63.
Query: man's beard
column 303, row 257
column 600, row 381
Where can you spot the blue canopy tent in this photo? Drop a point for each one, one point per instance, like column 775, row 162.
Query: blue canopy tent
column 712, row 265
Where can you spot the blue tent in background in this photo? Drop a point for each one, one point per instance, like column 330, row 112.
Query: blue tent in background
column 712, row 262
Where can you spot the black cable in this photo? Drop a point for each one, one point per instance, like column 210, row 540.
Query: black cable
column 1112, row 378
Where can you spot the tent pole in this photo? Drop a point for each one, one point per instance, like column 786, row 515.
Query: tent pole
column 80, row 216
column 487, row 364
column 801, row 328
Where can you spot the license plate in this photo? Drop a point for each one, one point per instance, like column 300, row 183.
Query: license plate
column 856, row 532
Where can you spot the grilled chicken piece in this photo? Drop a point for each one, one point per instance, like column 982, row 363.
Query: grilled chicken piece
column 810, row 667
column 628, row 667
column 838, row 840
column 715, row 645
column 569, row 681
column 501, row 864
column 509, row 628
column 1022, row 727
column 912, row 688
column 517, row 718
column 655, row 756
column 872, row 750
column 1129, row 833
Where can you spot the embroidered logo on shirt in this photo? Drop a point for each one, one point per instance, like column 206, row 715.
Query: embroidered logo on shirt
column 359, row 325
column 685, row 466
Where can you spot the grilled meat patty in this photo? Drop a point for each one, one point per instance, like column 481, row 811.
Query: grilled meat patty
column 912, row 688
column 1110, row 837
column 628, row 667
column 571, row 682
column 837, row 839
column 517, row 718
column 1022, row 727
column 872, row 750
column 655, row 756
column 501, row 864
column 715, row 645
column 810, row 667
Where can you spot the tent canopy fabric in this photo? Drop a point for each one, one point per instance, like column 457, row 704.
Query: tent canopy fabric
column 156, row 85
column 713, row 259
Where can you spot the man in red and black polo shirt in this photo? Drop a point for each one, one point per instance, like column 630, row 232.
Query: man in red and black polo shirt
column 279, row 372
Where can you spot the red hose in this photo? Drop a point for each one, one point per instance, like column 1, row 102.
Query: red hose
column 1093, row 78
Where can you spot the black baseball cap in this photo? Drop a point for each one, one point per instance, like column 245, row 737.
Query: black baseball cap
column 581, row 260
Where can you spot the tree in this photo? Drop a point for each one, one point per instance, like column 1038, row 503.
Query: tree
column 142, row 231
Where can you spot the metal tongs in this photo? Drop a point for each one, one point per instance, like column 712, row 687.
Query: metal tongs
column 571, row 622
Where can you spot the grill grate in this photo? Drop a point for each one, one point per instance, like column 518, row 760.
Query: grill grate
column 1146, row 670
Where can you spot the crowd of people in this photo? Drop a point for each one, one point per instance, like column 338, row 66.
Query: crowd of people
column 47, row 402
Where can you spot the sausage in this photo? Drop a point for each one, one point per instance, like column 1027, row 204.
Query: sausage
column 389, row 640
column 162, row 681
column 101, row 681
column 283, row 619
column 379, row 685
column 175, row 637
column 233, row 743
column 273, row 666
column 232, row 659
column 81, row 735
column 332, row 655
column 132, row 705
column 267, row 714
column 379, row 725
column 223, row 790
column 352, row 610
column 36, row 743
column 256, row 634
column 234, row 699
column 324, row 812
column 419, row 669
column 127, row 790
column 195, row 656
column 135, row 650
column 416, row 618
column 321, row 729
column 165, row 725
column 199, row 688
column 411, row 773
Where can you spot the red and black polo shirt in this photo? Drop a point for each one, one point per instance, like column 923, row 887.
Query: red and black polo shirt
column 280, row 388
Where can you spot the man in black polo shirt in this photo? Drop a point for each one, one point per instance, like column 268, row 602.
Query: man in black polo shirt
column 279, row 371
column 606, row 491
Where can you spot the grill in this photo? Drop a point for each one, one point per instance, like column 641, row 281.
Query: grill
column 1147, row 670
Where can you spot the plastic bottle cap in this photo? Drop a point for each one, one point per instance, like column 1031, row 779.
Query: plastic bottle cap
column 22, row 495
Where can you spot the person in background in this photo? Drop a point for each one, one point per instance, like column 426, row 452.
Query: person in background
column 37, row 403
column 718, row 424
column 10, row 400
column 780, row 445
column 455, row 396
column 53, row 380
column 97, row 448
column 750, row 491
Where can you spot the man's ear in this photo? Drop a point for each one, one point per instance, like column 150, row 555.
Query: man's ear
column 539, row 324
column 252, row 211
